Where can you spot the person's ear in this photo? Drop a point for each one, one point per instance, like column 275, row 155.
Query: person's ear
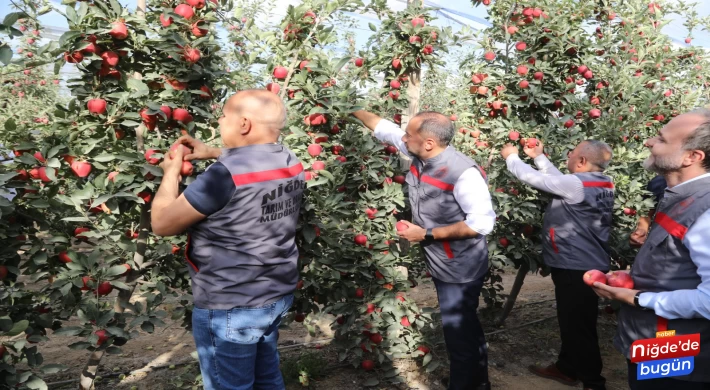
column 244, row 125
column 694, row 156
column 429, row 144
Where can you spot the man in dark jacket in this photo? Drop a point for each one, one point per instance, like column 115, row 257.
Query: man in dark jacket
column 241, row 215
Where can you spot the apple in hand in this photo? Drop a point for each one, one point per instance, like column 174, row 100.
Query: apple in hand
column 594, row 275
column 620, row 279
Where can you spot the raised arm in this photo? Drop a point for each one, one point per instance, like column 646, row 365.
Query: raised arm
column 384, row 130
column 367, row 118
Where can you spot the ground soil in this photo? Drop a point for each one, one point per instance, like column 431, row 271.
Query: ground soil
column 510, row 352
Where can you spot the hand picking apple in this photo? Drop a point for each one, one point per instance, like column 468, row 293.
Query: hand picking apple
column 507, row 150
column 412, row 232
column 199, row 150
column 172, row 166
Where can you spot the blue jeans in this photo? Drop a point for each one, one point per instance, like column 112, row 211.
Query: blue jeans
column 237, row 347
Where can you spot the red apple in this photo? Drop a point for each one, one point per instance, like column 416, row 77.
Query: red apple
column 395, row 84
column 96, row 106
column 504, row 242
column 104, row 288
column 376, row 338
column 489, row 56
column 280, row 72
column 405, row 321
column 318, row 165
column 359, row 62
column 595, row 113
column 424, row 349
column 368, row 365
column 182, row 115
column 399, row 179
column 361, row 239
column 401, row 226
column 359, row 293
column 315, row 150
column 186, row 169
column 538, row 76
column 299, row 317
column 273, row 87
column 524, row 84
column 594, row 275
column 520, row 46
column 620, row 279
column 149, row 157
column 522, row 70
column 119, row 31
column 81, row 168
column 418, row 22
column 513, row 135
column 103, row 336
column 185, row 11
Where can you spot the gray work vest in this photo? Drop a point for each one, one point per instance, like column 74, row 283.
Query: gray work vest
column 245, row 254
column 575, row 236
column 664, row 264
column 431, row 195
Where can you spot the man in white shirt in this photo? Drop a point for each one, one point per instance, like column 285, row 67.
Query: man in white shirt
column 452, row 213
column 671, row 272
column 576, row 230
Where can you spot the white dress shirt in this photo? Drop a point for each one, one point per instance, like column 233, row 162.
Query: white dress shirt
column 470, row 190
column 688, row 303
column 547, row 178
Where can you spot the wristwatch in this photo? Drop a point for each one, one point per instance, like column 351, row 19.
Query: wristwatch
column 636, row 300
column 429, row 236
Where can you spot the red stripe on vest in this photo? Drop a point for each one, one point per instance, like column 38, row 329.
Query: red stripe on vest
column 603, row 184
column 552, row 240
column 274, row 174
column 437, row 183
column 447, row 249
column 661, row 324
column 187, row 249
column 414, row 170
column 482, row 171
column 672, row 227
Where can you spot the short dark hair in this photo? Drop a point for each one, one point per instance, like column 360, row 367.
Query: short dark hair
column 700, row 138
column 436, row 125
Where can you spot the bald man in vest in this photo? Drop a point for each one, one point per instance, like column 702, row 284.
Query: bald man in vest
column 241, row 216
column 671, row 272
column 452, row 213
column 576, row 230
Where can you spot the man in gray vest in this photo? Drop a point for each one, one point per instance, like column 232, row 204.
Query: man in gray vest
column 452, row 213
column 671, row 272
column 576, row 229
column 241, row 216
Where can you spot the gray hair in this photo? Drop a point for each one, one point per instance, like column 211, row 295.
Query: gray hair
column 436, row 125
column 598, row 153
column 700, row 138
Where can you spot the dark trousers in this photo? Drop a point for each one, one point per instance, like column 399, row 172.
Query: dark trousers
column 465, row 342
column 577, row 309
column 661, row 383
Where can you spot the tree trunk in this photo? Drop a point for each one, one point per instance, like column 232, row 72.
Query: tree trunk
column 513, row 296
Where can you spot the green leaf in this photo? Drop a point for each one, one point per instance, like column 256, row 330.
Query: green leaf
column 427, row 359
column 36, row 383
column 18, row 328
column 147, row 326
column 433, row 366
column 342, row 63
column 372, row 382
column 67, row 36
column 104, row 158
column 53, row 368
column 10, row 124
column 5, row 58
column 113, row 350
column 372, row 26
column 79, row 345
column 12, row 17
column 69, row 331
column 116, row 270
column 138, row 87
